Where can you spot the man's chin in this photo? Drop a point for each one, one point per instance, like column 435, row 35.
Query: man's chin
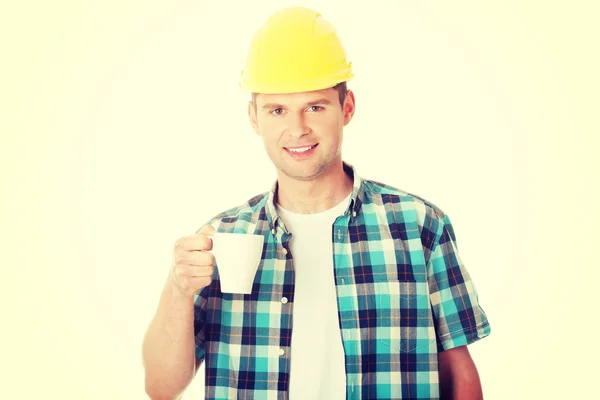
column 302, row 175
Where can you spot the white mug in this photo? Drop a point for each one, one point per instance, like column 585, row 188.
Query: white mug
column 237, row 258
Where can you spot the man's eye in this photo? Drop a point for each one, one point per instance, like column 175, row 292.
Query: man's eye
column 277, row 111
column 315, row 108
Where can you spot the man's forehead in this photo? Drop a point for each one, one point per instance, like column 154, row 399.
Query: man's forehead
column 294, row 98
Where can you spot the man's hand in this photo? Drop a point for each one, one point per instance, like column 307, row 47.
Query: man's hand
column 193, row 265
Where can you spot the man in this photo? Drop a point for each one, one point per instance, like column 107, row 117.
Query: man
column 360, row 293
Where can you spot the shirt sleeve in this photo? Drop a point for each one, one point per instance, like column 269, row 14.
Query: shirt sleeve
column 458, row 317
column 200, row 300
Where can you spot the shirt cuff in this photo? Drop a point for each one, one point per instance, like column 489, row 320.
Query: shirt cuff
column 463, row 337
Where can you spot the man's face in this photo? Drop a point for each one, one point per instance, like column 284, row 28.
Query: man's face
column 302, row 132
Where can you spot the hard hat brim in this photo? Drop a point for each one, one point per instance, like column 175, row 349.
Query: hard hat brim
column 296, row 86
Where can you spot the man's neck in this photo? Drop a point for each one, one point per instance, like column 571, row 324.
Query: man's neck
column 314, row 196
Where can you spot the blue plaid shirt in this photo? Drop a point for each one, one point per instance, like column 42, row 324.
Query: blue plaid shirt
column 403, row 296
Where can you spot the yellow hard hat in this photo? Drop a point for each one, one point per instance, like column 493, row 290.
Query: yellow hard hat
column 296, row 50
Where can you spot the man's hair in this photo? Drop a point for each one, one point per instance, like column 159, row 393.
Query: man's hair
column 341, row 88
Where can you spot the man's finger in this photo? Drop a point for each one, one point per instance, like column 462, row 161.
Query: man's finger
column 188, row 271
column 193, row 243
column 201, row 271
column 199, row 258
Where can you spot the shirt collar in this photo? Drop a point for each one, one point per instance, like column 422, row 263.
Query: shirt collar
column 352, row 209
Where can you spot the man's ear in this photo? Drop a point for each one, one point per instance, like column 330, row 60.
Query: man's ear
column 252, row 117
column 349, row 107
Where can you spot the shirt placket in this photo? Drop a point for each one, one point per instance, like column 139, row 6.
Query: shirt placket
column 344, row 280
column 284, row 276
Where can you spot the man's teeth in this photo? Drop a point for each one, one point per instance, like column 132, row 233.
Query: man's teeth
column 301, row 149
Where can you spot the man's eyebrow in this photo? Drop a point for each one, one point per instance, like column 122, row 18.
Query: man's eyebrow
column 310, row 103
column 271, row 105
column 319, row 101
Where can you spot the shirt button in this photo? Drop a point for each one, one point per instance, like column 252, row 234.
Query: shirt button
column 354, row 214
column 281, row 352
column 284, row 300
column 273, row 231
column 285, row 251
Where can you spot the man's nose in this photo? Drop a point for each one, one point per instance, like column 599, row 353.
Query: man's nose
column 297, row 125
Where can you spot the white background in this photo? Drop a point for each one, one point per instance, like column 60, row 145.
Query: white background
column 123, row 129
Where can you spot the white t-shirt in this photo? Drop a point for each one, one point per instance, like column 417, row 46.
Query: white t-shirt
column 317, row 369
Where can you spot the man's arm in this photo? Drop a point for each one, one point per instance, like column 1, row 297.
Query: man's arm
column 459, row 319
column 459, row 379
column 169, row 350
column 169, row 347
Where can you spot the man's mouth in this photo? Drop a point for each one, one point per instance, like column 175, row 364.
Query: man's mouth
column 300, row 149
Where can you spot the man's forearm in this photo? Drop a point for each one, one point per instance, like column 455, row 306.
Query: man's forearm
column 169, row 349
column 459, row 388
column 459, row 379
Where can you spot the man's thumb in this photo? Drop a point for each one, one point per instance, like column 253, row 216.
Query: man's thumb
column 208, row 230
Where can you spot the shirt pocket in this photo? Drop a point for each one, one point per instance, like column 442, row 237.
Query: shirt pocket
column 403, row 315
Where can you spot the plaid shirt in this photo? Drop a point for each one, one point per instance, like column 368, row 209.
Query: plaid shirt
column 403, row 296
